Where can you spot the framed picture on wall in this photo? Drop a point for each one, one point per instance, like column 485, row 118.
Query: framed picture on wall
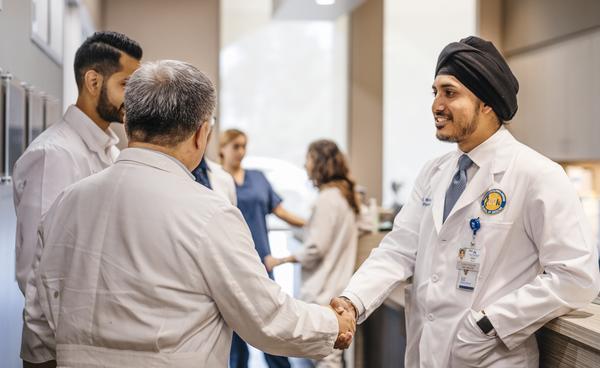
column 14, row 122
column 52, row 113
column 35, row 114
column 2, row 128
column 47, row 26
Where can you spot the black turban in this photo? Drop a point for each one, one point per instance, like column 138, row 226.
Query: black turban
column 478, row 65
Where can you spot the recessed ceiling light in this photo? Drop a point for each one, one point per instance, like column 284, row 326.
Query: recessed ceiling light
column 325, row 2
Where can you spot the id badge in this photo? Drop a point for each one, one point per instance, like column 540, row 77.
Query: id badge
column 469, row 260
column 467, row 280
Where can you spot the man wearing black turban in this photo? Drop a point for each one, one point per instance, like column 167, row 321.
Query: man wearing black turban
column 493, row 236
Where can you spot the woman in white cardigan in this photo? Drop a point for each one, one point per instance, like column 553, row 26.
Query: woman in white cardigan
column 328, row 253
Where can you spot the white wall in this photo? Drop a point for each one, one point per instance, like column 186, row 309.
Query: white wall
column 415, row 33
column 186, row 30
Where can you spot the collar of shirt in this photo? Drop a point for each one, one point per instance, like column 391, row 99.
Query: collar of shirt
column 156, row 159
column 487, row 150
column 95, row 138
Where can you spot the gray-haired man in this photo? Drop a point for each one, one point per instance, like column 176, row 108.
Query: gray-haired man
column 165, row 268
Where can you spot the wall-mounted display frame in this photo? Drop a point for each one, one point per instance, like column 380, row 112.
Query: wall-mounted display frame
column 35, row 114
column 2, row 125
column 15, row 100
column 52, row 112
column 47, row 27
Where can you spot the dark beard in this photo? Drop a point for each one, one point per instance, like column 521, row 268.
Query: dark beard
column 464, row 131
column 106, row 110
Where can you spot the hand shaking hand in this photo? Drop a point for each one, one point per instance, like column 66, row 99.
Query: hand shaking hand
column 346, row 315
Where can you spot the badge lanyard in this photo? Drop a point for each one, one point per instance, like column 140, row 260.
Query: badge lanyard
column 475, row 225
column 469, row 260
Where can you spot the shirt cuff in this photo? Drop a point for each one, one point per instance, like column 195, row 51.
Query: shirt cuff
column 358, row 304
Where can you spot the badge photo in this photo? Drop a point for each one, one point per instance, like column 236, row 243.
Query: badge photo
column 493, row 202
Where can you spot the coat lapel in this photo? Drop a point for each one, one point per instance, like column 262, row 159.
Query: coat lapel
column 439, row 184
column 480, row 184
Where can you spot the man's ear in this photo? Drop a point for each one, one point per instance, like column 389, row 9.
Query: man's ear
column 486, row 109
column 201, row 135
column 92, row 82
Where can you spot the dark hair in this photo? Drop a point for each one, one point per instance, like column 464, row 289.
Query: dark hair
column 101, row 52
column 166, row 102
column 331, row 169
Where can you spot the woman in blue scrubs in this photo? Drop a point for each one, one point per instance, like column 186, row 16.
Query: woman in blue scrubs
column 256, row 199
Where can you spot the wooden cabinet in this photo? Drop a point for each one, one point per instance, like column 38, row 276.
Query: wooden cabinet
column 559, row 98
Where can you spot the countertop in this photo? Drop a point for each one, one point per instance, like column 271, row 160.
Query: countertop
column 582, row 325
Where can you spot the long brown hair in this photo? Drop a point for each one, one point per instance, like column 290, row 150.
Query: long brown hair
column 330, row 168
column 227, row 137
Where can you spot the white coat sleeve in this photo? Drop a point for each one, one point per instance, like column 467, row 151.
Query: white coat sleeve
column 555, row 222
column 38, row 330
column 393, row 261
column 254, row 305
column 319, row 232
column 40, row 175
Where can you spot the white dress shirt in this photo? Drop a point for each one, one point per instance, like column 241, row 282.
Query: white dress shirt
column 221, row 182
column 160, row 275
column 66, row 152
column 538, row 259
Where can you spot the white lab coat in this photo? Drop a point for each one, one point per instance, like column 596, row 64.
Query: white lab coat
column 68, row 151
column 328, row 254
column 539, row 260
column 159, row 275
column 221, row 182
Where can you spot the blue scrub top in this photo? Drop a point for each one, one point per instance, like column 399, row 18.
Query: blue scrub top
column 256, row 199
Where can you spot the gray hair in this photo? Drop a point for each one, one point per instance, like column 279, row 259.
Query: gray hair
column 167, row 101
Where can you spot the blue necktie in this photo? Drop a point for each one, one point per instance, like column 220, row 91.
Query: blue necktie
column 201, row 174
column 458, row 184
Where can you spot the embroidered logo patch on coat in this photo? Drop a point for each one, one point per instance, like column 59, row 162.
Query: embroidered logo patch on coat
column 493, row 202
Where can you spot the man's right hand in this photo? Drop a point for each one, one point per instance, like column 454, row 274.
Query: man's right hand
column 341, row 304
column 346, row 316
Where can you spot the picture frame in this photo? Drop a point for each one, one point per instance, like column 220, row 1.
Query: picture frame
column 35, row 114
column 15, row 100
column 2, row 128
column 52, row 111
column 47, row 27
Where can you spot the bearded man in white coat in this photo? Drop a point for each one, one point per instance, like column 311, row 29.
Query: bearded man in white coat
column 79, row 145
column 493, row 236
column 140, row 266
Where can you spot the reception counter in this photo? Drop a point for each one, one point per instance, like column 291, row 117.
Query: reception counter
column 572, row 340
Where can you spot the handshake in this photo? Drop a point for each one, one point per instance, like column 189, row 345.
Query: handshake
column 346, row 316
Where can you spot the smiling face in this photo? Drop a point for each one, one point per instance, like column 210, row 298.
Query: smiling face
column 455, row 110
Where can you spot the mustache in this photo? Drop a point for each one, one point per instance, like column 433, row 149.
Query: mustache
column 442, row 114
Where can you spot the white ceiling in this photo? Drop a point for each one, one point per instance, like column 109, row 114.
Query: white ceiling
column 310, row 10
